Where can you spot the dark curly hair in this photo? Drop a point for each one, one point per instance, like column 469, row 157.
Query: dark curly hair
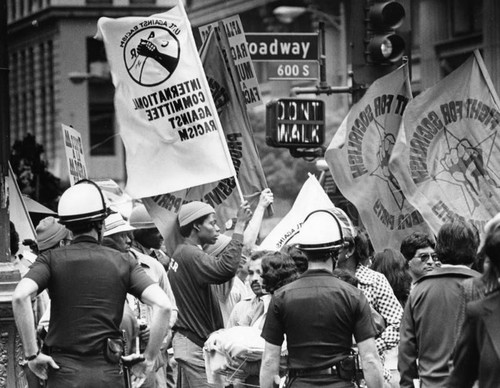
column 278, row 269
column 299, row 257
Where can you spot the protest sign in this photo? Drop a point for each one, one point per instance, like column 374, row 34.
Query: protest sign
column 358, row 157
column 310, row 198
column 222, row 195
column 446, row 157
column 233, row 29
column 167, row 118
column 75, row 157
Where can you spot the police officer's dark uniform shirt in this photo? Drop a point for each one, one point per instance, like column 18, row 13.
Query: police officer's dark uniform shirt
column 87, row 284
column 319, row 315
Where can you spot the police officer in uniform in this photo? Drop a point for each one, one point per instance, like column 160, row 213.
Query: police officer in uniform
column 320, row 314
column 87, row 284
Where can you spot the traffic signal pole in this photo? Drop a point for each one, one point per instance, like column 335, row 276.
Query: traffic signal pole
column 323, row 87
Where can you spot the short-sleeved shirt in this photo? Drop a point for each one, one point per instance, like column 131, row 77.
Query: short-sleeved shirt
column 319, row 314
column 87, row 284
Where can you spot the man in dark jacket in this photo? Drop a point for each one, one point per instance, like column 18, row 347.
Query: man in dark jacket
column 427, row 329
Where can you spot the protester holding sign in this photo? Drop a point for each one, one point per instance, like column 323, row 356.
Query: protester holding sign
column 191, row 274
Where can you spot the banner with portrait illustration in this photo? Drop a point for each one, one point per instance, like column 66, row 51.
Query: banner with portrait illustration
column 167, row 118
column 358, row 158
column 222, row 195
column 447, row 155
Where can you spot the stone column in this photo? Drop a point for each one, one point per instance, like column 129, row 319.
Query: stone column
column 11, row 352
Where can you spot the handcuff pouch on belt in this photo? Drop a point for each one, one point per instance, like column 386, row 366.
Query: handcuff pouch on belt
column 113, row 350
column 344, row 369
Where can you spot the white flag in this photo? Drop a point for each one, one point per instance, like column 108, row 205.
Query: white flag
column 166, row 114
column 310, row 198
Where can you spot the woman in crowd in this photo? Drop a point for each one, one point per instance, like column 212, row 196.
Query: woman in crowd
column 394, row 266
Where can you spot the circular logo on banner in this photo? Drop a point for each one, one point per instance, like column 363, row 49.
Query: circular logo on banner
column 151, row 55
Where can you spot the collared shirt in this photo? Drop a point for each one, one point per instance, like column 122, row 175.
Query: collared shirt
column 380, row 295
column 250, row 311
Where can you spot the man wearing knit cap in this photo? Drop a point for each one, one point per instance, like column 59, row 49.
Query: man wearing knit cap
column 191, row 274
column 51, row 234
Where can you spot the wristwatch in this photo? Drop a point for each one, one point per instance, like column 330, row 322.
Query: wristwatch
column 33, row 356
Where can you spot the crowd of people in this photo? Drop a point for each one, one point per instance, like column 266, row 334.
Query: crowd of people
column 104, row 306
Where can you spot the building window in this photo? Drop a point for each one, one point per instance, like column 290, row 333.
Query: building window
column 101, row 108
column 467, row 16
column 132, row 2
column 99, row 2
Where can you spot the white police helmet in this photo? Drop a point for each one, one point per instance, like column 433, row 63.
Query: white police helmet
column 82, row 202
column 320, row 231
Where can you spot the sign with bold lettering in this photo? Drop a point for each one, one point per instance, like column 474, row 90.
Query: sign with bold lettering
column 293, row 122
column 446, row 157
column 282, row 46
column 292, row 70
column 168, row 120
column 358, row 157
column 242, row 60
column 74, row 154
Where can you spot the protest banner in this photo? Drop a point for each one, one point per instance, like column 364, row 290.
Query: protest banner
column 75, row 157
column 446, row 157
column 358, row 158
column 167, row 118
column 222, row 195
column 233, row 29
column 310, row 198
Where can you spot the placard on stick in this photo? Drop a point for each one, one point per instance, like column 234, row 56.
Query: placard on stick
column 74, row 154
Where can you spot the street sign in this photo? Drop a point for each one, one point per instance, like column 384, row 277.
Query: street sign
column 292, row 70
column 282, row 46
column 295, row 123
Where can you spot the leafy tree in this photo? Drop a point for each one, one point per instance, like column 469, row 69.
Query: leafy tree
column 28, row 162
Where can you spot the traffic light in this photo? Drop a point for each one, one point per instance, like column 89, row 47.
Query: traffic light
column 384, row 46
column 378, row 38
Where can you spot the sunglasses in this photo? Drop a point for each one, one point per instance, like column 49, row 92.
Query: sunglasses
column 424, row 257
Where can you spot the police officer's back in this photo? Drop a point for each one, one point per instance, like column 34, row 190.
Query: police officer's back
column 319, row 314
column 87, row 284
